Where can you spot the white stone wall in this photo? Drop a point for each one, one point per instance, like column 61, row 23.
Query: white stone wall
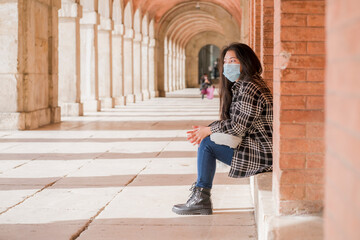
column 29, row 72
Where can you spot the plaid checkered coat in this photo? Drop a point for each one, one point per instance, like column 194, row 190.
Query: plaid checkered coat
column 251, row 116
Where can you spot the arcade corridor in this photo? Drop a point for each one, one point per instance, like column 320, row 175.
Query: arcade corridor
column 96, row 97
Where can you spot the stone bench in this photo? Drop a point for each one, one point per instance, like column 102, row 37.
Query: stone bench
column 271, row 226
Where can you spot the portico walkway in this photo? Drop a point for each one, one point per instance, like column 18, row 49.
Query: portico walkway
column 115, row 174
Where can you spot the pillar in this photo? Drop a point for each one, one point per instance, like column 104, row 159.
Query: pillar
column 88, row 61
column 299, row 55
column 137, row 66
column 342, row 178
column 104, row 61
column 170, row 66
column 69, row 58
column 128, row 65
column 145, row 67
column 128, row 54
column 152, row 68
column 183, row 68
column 29, row 64
column 117, row 65
column 267, row 40
column 173, row 66
column 166, row 66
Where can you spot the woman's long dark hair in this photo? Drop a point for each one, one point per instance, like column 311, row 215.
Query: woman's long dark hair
column 251, row 69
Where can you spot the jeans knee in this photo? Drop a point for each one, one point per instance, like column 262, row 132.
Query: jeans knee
column 205, row 143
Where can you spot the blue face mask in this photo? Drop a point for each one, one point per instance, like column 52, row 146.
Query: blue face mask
column 232, row 72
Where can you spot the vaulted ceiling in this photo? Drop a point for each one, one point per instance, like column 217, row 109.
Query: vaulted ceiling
column 158, row 8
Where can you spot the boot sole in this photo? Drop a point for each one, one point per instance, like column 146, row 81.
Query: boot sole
column 194, row 212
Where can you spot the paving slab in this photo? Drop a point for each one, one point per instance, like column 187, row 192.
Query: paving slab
column 116, row 174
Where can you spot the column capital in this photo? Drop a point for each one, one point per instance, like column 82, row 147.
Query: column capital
column 145, row 40
column 129, row 33
column 137, row 37
column 106, row 24
column 118, row 29
column 90, row 18
column 152, row 42
column 70, row 10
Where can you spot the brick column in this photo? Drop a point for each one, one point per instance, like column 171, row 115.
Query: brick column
column 342, row 194
column 267, row 40
column 298, row 105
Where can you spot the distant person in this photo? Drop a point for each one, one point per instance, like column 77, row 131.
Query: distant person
column 205, row 83
column 242, row 138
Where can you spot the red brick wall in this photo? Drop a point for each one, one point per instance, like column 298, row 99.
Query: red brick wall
column 299, row 61
column 342, row 194
column 255, row 25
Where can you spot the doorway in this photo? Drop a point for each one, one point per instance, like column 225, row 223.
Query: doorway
column 209, row 62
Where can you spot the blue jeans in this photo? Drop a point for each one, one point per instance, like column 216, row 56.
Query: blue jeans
column 208, row 152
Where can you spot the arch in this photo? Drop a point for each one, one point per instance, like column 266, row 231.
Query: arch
column 192, row 49
column 180, row 25
column 152, row 29
column 158, row 9
column 145, row 25
column 117, row 14
column 128, row 17
column 207, row 56
column 91, row 5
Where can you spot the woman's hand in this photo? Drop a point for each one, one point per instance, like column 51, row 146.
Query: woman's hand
column 198, row 133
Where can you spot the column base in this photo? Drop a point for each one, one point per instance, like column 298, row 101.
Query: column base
column 29, row 120
column 130, row 98
column 119, row 101
column 72, row 109
column 146, row 95
column 91, row 106
column 271, row 225
column 106, row 102
column 139, row 97
column 154, row 94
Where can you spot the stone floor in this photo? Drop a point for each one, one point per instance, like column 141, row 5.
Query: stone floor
column 115, row 174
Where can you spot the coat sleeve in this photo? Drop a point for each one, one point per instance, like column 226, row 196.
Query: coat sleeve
column 244, row 111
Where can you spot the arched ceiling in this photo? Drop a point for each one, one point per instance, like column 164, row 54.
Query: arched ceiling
column 185, row 20
column 158, row 8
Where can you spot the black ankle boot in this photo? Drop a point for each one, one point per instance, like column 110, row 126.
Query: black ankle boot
column 198, row 203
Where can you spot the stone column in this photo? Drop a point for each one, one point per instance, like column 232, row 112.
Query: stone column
column 104, row 62
column 183, row 68
column 152, row 67
column 89, row 57
column 178, row 69
column 29, row 64
column 175, row 67
column 117, row 65
column 137, row 66
column 69, row 58
column 145, row 67
column 128, row 65
column 170, row 67
column 166, row 67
